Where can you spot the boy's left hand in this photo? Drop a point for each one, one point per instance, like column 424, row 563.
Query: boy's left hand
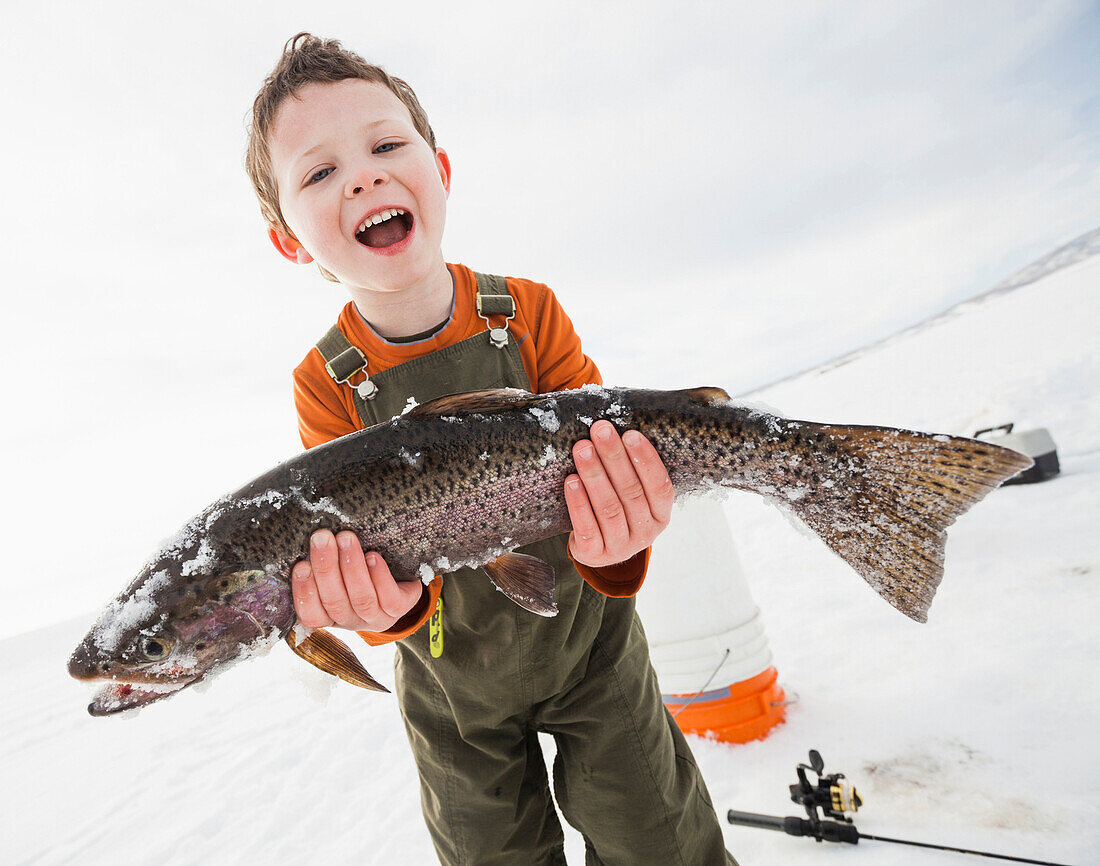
column 619, row 500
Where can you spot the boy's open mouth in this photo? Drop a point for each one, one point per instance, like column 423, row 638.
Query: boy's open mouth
column 385, row 228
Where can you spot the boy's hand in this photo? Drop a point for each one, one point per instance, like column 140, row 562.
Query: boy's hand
column 340, row 586
column 619, row 500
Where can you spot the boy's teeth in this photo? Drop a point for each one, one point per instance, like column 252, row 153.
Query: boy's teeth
column 379, row 217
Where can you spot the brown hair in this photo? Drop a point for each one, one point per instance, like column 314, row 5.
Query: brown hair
column 307, row 59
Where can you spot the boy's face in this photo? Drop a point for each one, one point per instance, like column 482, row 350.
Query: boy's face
column 341, row 154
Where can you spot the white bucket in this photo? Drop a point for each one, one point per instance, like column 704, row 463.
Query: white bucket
column 699, row 617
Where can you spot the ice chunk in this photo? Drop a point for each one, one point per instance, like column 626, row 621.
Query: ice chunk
column 547, row 418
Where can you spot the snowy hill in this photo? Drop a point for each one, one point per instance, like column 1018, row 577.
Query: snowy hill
column 1078, row 250
column 976, row 729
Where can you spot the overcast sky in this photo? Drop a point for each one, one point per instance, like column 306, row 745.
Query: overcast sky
column 863, row 163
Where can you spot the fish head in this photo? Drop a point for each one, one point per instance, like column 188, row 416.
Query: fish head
column 170, row 629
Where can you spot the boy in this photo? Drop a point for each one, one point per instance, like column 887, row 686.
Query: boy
column 348, row 174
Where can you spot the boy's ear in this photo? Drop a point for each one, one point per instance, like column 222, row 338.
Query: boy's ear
column 443, row 163
column 289, row 247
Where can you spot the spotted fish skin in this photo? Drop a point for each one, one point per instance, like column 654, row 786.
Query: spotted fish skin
column 464, row 479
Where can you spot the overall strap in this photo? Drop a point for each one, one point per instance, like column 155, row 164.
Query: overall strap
column 494, row 299
column 343, row 361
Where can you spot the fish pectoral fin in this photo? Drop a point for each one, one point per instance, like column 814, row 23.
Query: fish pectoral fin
column 526, row 580
column 326, row 651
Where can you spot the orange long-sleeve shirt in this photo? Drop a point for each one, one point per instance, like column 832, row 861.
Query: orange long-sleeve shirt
column 552, row 358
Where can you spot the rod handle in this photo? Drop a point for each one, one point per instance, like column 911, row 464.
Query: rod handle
column 830, row 831
column 751, row 819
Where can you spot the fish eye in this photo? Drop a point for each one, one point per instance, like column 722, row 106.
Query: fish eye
column 155, row 649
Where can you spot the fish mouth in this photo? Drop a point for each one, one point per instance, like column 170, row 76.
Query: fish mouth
column 119, row 696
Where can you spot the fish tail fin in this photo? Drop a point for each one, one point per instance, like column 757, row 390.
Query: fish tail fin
column 327, row 652
column 890, row 522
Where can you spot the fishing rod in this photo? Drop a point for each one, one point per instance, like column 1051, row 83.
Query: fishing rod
column 835, row 798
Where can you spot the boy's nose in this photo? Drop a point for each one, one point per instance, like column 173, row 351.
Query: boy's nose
column 362, row 180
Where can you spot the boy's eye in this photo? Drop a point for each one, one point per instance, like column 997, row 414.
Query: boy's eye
column 388, row 146
column 320, row 174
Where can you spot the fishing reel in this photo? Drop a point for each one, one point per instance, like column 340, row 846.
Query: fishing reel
column 829, row 793
column 836, row 798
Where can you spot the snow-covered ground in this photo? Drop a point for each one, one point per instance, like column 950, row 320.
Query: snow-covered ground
column 977, row 729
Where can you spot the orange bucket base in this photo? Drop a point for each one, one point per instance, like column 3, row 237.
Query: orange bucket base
column 745, row 711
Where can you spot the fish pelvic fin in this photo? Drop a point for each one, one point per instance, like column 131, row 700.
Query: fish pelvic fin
column 890, row 523
column 324, row 650
column 526, row 580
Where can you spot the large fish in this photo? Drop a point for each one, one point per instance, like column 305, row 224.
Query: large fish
column 466, row 479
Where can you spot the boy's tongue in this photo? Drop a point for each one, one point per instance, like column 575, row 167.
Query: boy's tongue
column 384, row 234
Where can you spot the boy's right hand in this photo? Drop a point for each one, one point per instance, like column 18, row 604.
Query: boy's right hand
column 340, row 586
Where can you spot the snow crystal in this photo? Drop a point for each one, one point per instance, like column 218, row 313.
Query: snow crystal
column 317, row 685
column 585, row 420
column 324, row 505
column 203, row 560
column 160, row 688
column 427, row 575
column 754, row 407
column 410, row 404
column 410, row 458
column 709, row 488
column 484, row 455
column 183, row 538
column 257, row 647
column 595, row 389
column 272, row 497
column 783, row 506
column 547, row 418
column 123, row 615
column 548, row 456
column 174, row 664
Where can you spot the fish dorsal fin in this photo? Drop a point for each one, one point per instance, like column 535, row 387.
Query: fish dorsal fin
column 472, row 402
column 707, row 394
column 326, row 651
column 526, row 580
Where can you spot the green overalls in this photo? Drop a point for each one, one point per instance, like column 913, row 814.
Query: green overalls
column 623, row 775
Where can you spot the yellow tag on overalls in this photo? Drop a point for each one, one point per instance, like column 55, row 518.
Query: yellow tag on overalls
column 435, row 630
